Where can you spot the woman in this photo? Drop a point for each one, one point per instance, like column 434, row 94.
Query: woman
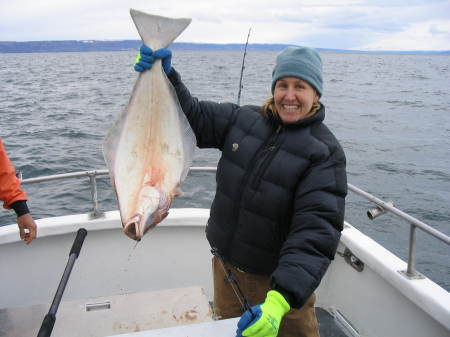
column 281, row 185
column 14, row 197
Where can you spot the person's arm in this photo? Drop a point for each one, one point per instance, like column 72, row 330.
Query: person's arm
column 209, row 120
column 310, row 246
column 14, row 197
column 315, row 228
column 10, row 191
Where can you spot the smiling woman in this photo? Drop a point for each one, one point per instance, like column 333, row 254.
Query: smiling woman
column 296, row 85
column 276, row 218
column 294, row 99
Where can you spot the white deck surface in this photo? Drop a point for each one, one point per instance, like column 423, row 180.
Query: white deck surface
column 112, row 315
column 223, row 328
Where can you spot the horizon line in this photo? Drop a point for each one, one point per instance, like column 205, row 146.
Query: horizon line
column 277, row 44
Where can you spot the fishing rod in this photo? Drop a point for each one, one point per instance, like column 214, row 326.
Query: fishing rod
column 49, row 319
column 232, row 280
column 242, row 68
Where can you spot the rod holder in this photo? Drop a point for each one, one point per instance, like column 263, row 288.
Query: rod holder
column 377, row 211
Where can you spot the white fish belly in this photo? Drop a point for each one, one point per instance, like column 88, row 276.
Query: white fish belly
column 150, row 150
column 150, row 147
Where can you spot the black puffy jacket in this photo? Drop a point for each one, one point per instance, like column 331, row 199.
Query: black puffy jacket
column 280, row 198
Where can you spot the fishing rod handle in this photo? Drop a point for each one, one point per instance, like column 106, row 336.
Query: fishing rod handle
column 47, row 326
column 81, row 234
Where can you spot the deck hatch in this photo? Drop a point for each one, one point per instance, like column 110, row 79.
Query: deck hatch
column 98, row 306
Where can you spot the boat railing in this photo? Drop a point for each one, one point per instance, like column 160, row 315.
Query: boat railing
column 381, row 208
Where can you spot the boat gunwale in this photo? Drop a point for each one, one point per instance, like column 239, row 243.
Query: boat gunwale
column 65, row 224
column 425, row 293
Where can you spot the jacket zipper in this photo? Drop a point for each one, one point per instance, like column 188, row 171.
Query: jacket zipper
column 270, row 143
column 267, row 154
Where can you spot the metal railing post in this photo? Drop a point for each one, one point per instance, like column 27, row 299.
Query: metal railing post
column 93, row 180
column 411, row 271
column 383, row 207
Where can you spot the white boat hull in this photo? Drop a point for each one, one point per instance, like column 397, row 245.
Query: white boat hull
column 378, row 301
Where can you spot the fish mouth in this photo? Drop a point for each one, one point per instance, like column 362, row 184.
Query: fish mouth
column 140, row 223
column 132, row 228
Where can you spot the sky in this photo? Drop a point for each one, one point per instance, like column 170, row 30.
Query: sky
column 337, row 24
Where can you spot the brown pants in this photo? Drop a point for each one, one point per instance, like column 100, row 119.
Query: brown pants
column 296, row 323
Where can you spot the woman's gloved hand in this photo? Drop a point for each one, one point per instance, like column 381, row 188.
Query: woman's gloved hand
column 268, row 317
column 146, row 57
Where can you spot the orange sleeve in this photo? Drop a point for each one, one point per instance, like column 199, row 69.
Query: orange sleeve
column 10, row 190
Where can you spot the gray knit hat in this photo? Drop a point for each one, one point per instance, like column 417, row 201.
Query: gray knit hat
column 301, row 62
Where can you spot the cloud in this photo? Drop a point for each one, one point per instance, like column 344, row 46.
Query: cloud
column 379, row 24
column 432, row 35
column 419, row 25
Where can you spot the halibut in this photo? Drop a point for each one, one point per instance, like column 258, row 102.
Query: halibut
column 150, row 148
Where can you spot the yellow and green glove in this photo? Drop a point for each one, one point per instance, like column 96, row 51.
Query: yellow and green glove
column 266, row 318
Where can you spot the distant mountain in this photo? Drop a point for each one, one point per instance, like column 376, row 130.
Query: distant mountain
column 97, row 45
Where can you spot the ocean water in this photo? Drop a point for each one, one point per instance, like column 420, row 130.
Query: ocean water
column 390, row 112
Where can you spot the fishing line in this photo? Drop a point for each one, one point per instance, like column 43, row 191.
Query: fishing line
column 245, row 304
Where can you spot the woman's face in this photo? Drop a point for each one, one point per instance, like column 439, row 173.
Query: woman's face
column 293, row 98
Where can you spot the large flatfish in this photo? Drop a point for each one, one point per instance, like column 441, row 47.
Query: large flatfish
column 149, row 149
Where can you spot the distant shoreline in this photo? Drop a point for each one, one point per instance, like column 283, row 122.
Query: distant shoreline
column 123, row 45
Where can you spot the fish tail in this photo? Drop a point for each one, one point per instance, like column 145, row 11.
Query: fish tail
column 158, row 31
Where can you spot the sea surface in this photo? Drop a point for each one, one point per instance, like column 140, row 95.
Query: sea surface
column 390, row 112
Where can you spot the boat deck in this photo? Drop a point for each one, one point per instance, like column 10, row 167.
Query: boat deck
column 170, row 312
column 227, row 328
column 368, row 278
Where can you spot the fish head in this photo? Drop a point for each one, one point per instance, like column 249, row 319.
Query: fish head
column 152, row 208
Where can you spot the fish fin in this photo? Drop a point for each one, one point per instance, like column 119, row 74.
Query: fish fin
column 177, row 192
column 158, row 31
column 189, row 144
